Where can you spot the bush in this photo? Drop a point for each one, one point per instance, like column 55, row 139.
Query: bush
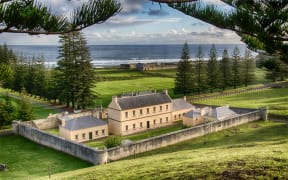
column 112, row 141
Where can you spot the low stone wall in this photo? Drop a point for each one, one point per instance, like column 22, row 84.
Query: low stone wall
column 75, row 149
column 6, row 132
column 102, row 156
column 48, row 123
column 182, row 135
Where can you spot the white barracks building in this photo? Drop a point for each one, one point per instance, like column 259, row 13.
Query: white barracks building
column 143, row 111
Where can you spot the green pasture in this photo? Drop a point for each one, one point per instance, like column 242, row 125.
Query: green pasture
column 106, row 89
column 28, row 160
column 252, row 151
column 39, row 112
column 276, row 99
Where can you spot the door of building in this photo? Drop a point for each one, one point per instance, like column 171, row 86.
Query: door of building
column 90, row 135
column 148, row 124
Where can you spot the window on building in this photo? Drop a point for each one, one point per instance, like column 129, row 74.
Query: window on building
column 166, row 119
column 147, row 110
column 126, row 114
column 160, row 120
column 141, row 124
column 160, row 108
column 141, row 111
column 154, row 109
column 154, row 121
column 133, row 112
column 103, row 131
column 175, row 117
column 167, row 107
column 96, row 133
column 126, row 127
column 83, row 135
column 179, row 116
column 76, row 136
column 134, row 126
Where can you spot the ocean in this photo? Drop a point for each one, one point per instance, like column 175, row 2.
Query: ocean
column 113, row 55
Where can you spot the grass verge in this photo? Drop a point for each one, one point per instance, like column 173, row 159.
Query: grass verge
column 26, row 159
column 252, row 151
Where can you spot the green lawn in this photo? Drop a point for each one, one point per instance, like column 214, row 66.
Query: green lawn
column 252, row 151
column 26, row 159
column 140, row 136
column 39, row 112
column 107, row 89
column 54, row 131
column 275, row 99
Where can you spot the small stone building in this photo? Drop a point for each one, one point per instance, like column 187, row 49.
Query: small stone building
column 220, row 113
column 180, row 107
column 84, row 128
column 207, row 114
column 195, row 117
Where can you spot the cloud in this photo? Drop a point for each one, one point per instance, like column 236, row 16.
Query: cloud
column 157, row 12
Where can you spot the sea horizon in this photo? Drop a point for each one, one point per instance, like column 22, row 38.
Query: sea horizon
column 114, row 55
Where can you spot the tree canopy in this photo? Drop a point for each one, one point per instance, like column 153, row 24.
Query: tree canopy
column 261, row 24
column 28, row 16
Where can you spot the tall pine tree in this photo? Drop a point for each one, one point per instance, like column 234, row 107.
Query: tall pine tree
column 249, row 67
column 200, row 71
column 76, row 71
column 225, row 70
column 213, row 70
column 236, row 68
column 184, row 81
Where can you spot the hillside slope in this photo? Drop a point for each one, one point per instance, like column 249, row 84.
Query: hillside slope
column 255, row 150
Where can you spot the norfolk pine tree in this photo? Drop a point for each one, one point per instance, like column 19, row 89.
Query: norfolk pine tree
column 236, row 68
column 76, row 71
column 225, row 71
column 184, row 81
column 200, row 71
column 249, row 67
column 213, row 70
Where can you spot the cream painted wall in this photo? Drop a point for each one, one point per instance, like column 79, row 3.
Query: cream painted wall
column 187, row 121
column 71, row 135
column 181, row 112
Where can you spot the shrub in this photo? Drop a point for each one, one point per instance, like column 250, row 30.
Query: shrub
column 112, row 141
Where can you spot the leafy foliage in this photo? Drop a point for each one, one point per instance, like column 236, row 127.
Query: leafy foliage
column 112, row 141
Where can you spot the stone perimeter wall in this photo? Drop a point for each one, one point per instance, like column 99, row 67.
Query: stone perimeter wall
column 102, row 156
column 183, row 135
column 73, row 148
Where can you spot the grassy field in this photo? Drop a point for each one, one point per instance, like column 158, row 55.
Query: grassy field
column 275, row 99
column 26, row 160
column 255, row 150
column 106, row 89
column 39, row 112
column 113, row 81
column 139, row 136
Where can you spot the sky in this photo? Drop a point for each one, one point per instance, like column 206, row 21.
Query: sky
column 139, row 22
